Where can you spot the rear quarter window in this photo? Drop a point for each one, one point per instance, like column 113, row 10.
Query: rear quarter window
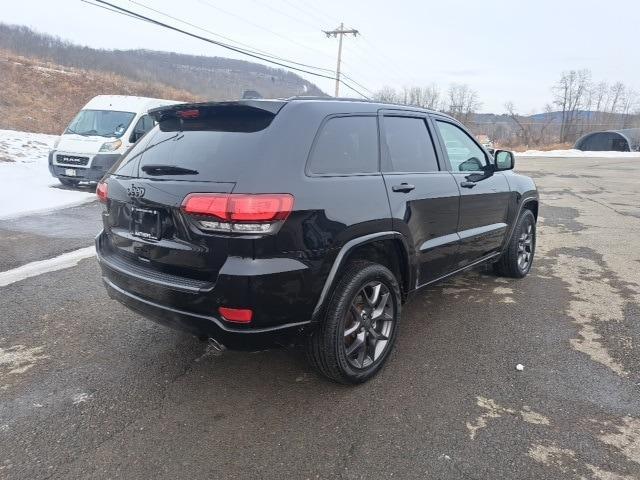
column 345, row 146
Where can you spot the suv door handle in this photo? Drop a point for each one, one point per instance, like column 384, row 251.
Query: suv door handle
column 468, row 184
column 403, row 187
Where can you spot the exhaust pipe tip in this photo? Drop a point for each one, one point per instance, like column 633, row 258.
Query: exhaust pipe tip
column 214, row 347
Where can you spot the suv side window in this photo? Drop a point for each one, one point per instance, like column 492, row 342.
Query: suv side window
column 409, row 145
column 464, row 154
column 346, row 145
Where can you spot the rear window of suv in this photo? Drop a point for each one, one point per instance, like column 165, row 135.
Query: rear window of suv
column 346, row 146
column 409, row 145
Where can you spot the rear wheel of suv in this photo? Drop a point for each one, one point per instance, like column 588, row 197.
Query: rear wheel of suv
column 517, row 258
column 360, row 326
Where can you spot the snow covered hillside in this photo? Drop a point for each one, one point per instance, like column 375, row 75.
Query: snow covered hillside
column 26, row 186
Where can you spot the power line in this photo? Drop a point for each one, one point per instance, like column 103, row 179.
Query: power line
column 365, row 62
column 110, row 9
column 284, row 14
column 248, row 49
column 261, row 27
column 356, row 83
column 379, row 52
column 280, row 12
column 130, row 13
column 327, row 18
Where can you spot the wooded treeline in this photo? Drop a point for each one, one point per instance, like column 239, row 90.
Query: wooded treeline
column 214, row 78
column 578, row 105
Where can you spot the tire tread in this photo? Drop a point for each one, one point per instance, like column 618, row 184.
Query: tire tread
column 321, row 349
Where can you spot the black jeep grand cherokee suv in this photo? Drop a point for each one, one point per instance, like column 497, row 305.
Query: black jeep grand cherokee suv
column 256, row 222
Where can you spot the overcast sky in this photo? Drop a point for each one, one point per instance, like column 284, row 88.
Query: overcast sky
column 507, row 50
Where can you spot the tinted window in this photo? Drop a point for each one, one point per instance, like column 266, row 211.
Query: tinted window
column 409, row 144
column 464, row 154
column 346, row 145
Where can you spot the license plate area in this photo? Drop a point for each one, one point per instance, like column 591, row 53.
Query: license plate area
column 70, row 172
column 145, row 223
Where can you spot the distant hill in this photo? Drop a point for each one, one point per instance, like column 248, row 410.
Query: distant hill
column 214, row 78
column 42, row 97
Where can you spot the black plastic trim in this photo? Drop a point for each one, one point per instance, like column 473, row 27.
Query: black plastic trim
column 215, row 320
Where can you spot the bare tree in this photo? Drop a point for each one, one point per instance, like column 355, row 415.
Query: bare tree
column 531, row 132
column 462, row 102
column 570, row 94
column 616, row 94
column 431, row 97
column 386, row 94
column 424, row 97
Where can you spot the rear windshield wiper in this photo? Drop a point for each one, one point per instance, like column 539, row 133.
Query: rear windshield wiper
column 167, row 170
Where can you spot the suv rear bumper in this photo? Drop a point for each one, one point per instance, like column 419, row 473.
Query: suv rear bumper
column 206, row 326
column 165, row 300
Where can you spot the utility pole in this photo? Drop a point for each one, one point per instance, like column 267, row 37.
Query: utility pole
column 339, row 33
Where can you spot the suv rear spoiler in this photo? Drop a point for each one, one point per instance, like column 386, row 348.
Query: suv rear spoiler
column 184, row 110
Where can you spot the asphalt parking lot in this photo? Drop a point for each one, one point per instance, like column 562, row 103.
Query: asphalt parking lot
column 89, row 389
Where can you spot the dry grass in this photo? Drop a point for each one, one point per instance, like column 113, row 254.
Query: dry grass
column 41, row 97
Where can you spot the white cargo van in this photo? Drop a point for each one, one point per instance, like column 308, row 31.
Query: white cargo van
column 103, row 130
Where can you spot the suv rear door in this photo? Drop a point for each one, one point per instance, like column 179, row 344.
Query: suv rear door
column 484, row 194
column 423, row 195
column 199, row 149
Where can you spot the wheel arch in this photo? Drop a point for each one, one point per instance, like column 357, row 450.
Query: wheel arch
column 528, row 203
column 387, row 248
column 531, row 204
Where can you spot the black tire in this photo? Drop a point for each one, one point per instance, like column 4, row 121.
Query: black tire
column 68, row 183
column 510, row 263
column 327, row 348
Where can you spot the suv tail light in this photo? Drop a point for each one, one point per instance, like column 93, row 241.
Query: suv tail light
column 102, row 191
column 240, row 213
column 236, row 315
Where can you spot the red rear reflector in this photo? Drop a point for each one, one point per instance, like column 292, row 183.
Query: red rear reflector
column 101, row 191
column 186, row 114
column 236, row 315
column 233, row 207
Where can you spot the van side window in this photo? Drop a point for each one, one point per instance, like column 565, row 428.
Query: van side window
column 346, row 145
column 409, row 145
column 148, row 123
column 144, row 125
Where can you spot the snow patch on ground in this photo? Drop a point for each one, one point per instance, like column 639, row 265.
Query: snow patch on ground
column 33, row 269
column 576, row 154
column 26, row 184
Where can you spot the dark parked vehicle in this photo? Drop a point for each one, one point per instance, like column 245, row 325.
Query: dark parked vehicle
column 262, row 222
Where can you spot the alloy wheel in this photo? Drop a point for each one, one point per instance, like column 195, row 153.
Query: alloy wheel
column 525, row 247
column 368, row 325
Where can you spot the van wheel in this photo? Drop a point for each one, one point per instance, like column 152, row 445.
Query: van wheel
column 517, row 259
column 360, row 326
column 68, row 183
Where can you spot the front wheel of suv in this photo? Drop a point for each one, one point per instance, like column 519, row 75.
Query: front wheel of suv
column 360, row 326
column 517, row 259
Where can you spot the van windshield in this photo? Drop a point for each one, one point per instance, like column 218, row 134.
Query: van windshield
column 102, row 123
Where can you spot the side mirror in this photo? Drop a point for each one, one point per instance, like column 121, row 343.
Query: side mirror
column 504, row 160
column 471, row 165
